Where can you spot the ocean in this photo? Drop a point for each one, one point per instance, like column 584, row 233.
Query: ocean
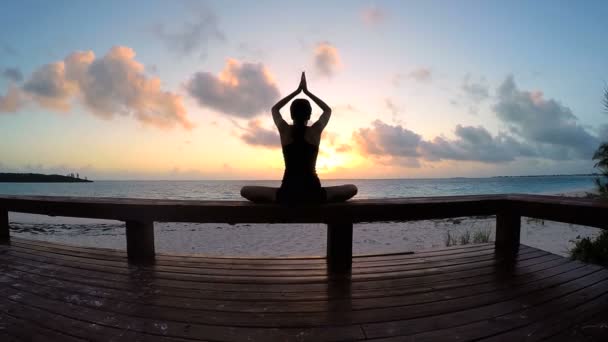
column 269, row 240
column 368, row 188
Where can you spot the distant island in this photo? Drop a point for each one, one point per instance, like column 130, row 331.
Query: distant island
column 40, row 178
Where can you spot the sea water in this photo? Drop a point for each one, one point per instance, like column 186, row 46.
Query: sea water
column 368, row 188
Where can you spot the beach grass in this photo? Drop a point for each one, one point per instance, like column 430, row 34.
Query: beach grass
column 591, row 250
column 482, row 236
column 468, row 237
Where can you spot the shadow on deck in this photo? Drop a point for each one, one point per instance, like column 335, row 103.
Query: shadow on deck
column 65, row 293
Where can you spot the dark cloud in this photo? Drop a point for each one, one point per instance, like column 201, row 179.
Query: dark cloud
column 539, row 128
column 241, row 89
column 11, row 101
column 386, row 140
column 543, row 121
column 256, row 135
column 326, row 59
column 373, row 15
column 12, row 74
column 113, row 85
column 392, row 107
column 477, row 91
column 406, row 147
column 475, row 144
column 193, row 36
column 471, row 144
column 421, row 74
column 50, row 88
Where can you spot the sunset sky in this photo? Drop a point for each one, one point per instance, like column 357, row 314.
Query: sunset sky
column 183, row 90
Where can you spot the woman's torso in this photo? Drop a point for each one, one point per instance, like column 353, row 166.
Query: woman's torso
column 300, row 181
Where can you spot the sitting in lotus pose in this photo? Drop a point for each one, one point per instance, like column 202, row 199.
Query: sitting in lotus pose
column 300, row 145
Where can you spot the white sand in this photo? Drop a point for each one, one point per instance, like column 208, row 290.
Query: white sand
column 290, row 239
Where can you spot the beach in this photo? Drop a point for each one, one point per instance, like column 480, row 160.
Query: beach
column 279, row 240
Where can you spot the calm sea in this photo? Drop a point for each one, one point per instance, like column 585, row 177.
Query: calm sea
column 368, row 188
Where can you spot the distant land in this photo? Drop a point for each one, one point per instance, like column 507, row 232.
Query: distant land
column 40, row 178
column 556, row 175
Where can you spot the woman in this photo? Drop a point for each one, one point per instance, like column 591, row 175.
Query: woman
column 300, row 145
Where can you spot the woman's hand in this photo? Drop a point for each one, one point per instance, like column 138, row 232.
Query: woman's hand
column 303, row 86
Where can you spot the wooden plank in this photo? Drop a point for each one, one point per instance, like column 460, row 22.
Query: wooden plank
column 582, row 211
column 339, row 247
column 281, row 292
column 477, row 322
column 256, row 270
column 175, row 329
column 114, row 273
column 221, row 303
column 4, row 225
column 508, row 228
column 246, row 212
column 28, row 329
column 140, row 241
column 590, row 327
column 572, row 210
column 413, row 307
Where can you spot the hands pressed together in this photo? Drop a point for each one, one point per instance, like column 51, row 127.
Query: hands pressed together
column 303, row 87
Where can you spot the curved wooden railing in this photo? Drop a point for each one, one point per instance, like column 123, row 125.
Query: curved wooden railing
column 140, row 215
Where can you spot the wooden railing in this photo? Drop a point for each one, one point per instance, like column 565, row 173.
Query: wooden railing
column 140, row 215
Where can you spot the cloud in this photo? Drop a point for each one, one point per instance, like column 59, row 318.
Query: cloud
column 256, row 135
column 241, row 89
column 476, row 91
column 11, row 102
column 392, row 107
column 343, row 148
column 50, row 87
column 476, row 144
column 193, row 36
column 386, row 140
column 539, row 128
column 407, row 147
column 543, row 121
column 373, row 15
column 12, row 74
column 109, row 86
column 326, row 59
column 421, row 74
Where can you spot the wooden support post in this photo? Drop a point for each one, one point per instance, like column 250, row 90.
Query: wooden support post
column 508, row 226
column 4, row 226
column 339, row 247
column 140, row 241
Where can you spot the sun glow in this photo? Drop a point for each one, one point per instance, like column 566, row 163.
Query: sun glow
column 331, row 161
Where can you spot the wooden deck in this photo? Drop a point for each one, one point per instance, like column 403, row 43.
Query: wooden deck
column 53, row 292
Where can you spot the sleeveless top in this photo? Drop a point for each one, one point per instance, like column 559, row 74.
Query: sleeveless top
column 300, row 181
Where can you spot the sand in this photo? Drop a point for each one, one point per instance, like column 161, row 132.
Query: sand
column 291, row 239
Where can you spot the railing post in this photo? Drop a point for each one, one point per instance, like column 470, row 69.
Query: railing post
column 140, row 241
column 4, row 226
column 339, row 247
column 508, row 227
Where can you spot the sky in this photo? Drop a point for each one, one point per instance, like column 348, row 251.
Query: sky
column 418, row 89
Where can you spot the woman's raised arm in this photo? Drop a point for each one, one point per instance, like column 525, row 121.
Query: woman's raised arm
column 324, row 118
column 276, row 109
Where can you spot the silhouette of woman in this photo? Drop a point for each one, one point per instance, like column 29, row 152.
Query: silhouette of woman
column 300, row 145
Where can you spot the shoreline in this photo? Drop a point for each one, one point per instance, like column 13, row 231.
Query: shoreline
column 293, row 240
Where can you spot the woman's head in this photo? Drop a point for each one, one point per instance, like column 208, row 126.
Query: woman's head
column 300, row 111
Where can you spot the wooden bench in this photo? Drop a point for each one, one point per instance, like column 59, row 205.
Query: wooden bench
column 139, row 216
